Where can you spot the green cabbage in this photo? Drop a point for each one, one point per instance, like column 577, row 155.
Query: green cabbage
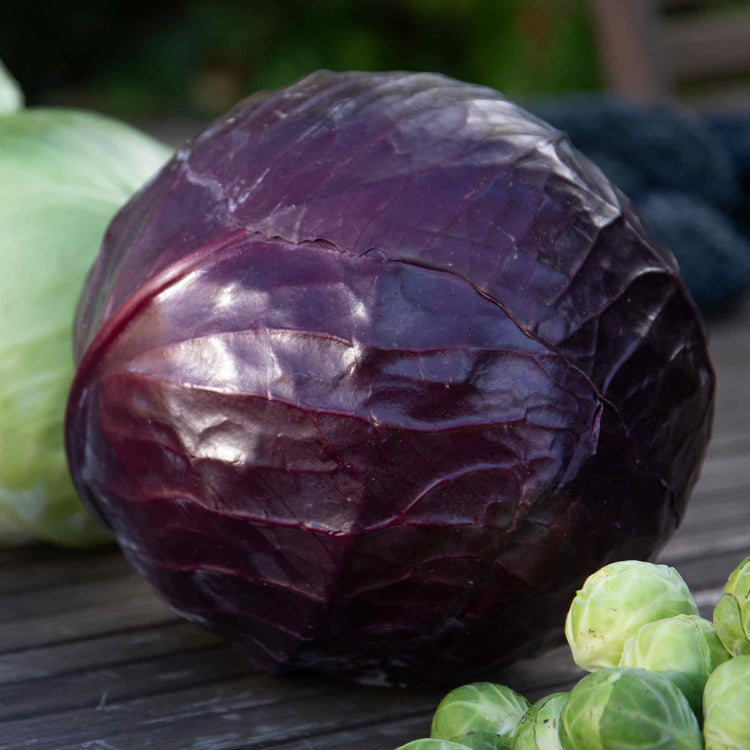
column 63, row 176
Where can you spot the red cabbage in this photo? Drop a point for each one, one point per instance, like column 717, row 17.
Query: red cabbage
column 376, row 371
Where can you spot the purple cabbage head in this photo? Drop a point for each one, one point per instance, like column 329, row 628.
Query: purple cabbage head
column 376, row 371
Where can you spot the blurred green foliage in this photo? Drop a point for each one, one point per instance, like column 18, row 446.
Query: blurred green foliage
column 199, row 57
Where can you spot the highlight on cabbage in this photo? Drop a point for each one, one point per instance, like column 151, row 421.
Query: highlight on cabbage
column 732, row 613
column 622, row 708
column 482, row 716
column 726, row 698
column 11, row 96
column 684, row 648
column 63, row 175
column 615, row 602
column 376, row 371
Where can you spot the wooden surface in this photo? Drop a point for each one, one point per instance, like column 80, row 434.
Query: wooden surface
column 90, row 659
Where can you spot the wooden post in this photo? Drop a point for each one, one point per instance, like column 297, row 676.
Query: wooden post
column 627, row 33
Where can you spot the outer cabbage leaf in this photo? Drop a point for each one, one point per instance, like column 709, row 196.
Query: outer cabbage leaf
column 377, row 371
column 63, row 175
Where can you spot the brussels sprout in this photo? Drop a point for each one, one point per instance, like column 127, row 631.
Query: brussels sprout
column 732, row 613
column 482, row 716
column 615, row 601
column 63, row 175
column 726, row 706
column 621, row 708
column 431, row 744
column 685, row 648
column 539, row 726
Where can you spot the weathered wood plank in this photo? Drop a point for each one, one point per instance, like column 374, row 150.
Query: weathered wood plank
column 237, row 713
column 79, row 596
column 47, row 571
column 718, row 516
column 731, row 429
column 734, row 546
column 705, row 572
column 722, row 473
column 730, row 352
column 94, row 689
column 138, row 611
column 729, row 346
column 709, row 518
column 379, row 736
column 98, row 652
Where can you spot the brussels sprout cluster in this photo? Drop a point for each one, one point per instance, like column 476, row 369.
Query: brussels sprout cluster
column 661, row 675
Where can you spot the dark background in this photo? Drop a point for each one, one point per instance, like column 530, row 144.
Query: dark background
column 138, row 59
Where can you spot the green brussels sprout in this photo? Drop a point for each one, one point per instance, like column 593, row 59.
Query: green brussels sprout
column 482, row 716
column 684, row 648
column 539, row 726
column 726, row 706
column 432, row 744
column 614, row 602
column 621, row 708
column 63, row 176
column 732, row 613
